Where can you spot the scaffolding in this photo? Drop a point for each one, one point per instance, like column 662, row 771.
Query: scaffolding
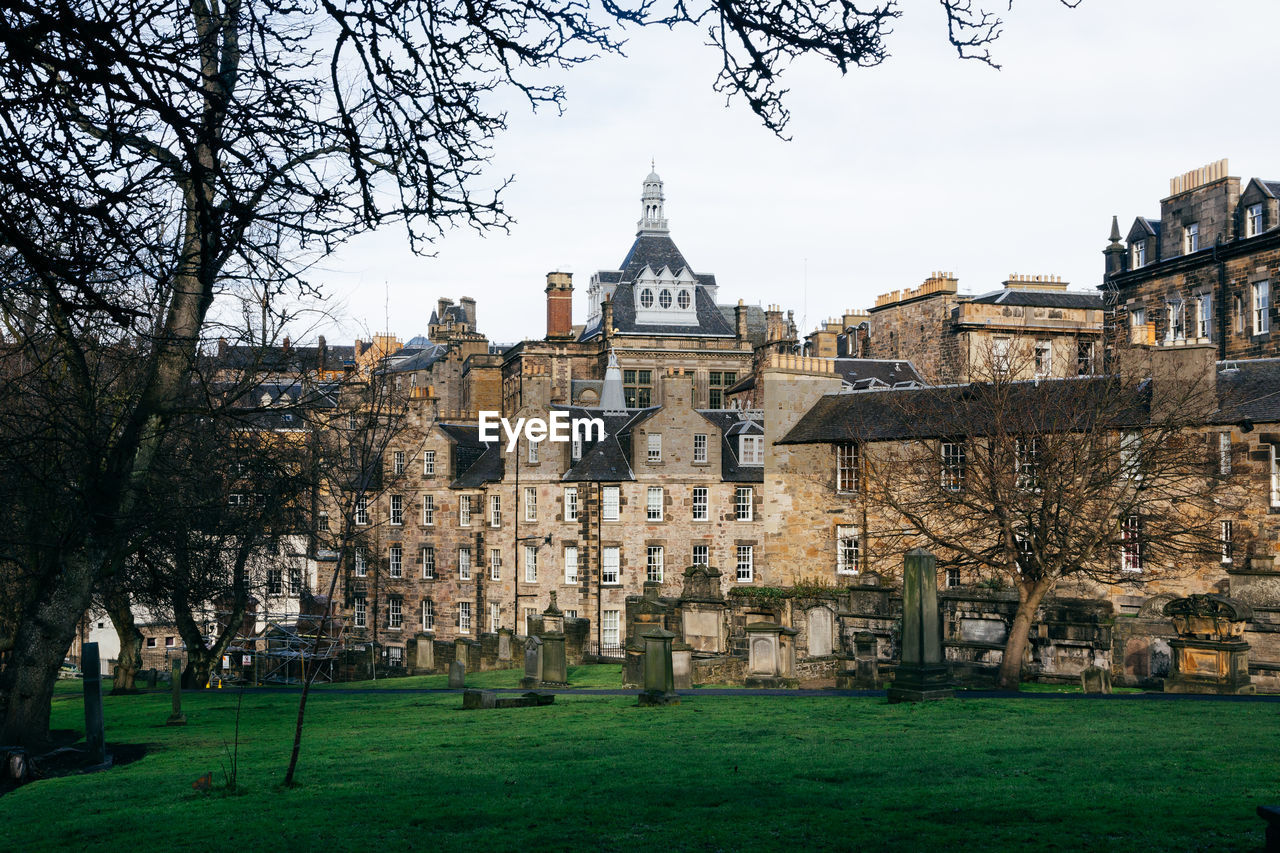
column 289, row 654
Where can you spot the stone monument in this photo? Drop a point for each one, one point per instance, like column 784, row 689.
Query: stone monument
column 177, row 718
column 771, row 655
column 532, row 662
column 1210, row 654
column 554, row 667
column 659, row 678
column 922, row 673
column 457, row 674
column 94, row 736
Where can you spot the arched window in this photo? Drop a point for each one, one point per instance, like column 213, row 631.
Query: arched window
column 664, row 298
column 683, row 299
column 646, row 298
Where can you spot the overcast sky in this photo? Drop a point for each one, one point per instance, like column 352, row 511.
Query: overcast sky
column 925, row 163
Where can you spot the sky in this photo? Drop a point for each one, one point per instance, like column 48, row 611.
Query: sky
column 925, row 163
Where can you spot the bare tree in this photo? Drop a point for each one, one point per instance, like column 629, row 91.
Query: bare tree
column 1103, row 480
column 156, row 155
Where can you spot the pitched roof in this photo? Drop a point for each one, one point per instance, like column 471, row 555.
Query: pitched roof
column 652, row 250
column 1248, row 390
column 710, row 321
column 488, row 467
column 1039, row 298
column 731, row 423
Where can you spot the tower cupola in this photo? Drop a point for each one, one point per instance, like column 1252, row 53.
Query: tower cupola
column 652, row 219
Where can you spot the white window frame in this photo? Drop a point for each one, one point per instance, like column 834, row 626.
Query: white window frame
column 1000, row 348
column 360, row 566
column 571, row 564
column 533, row 452
column 464, row 617
column 609, row 629
column 362, row 510
column 397, row 462
column 699, row 448
column 1131, row 455
column 360, row 611
column 654, row 441
column 751, row 450
column 1026, row 462
column 848, row 550
column 1043, row 355
column 610, row 502
column 428, row 463
column 1131, row 544
column 531, row 503
column 395, row 614
column 1224, row 452
column 464, row 510
column 1225, row 531
column 746, row 563
column 1238, row 301
column 1253, row 220
column 706, row 553
column 655, row 496
column 427, row 560
column 1261, row 301
column 495, row 616
column 428, row 510
column 395, row 560
column 427, row 614
column 701, row 503
column 495, row 510
column 952, row 468
column 530, row 563
column 464, row 564
column 1191, row 238
column 744, row 498
column 570, row 503
column 847, row 464
column 611, row 565
column 397, row 510
column 1273, row 466
column 1204, row 316
column 653, row 562
column 575, row 448
column 1138, row 254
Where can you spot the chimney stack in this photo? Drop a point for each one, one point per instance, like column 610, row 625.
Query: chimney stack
column 559, row 305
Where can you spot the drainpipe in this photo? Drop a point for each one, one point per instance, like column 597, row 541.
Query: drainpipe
column 1222, row 306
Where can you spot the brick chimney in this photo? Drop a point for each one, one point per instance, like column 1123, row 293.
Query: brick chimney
column 740, row 320
column 606, row 319
column 559, row 305
column 469, row 309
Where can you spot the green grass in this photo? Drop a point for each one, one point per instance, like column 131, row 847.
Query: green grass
column 414, row 771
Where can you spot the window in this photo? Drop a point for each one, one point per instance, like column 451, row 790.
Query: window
column 395, row 616
column 1000, row 355
column 464, row 511
column 609, row 564
column 395, row 656
column 1131, row 544
column 847, row 552
column 1237, row 303
column 533, row 452
column 683, row 299
column 464, row 617
column 322, row 521
column 571, row 503
column 427, row 559
column 1204, row 316
column 1275, row 475
column 428, row 463
column 428, row 509
column 362, row 509
column 847, row 468
column 1131, row 455
column 1224, row 537
column 743, row 500
column 361, row 612
column 699, row 448
column 575, row 448
column 664, row 298
column 746, row 563
column 1253, row 220
column 1138, row 254
column 717, row 381
column 529, row 615
column 395, row 561
column 701, row 555
column 653, row 563
column 637, row 388
column 1024, row 555
column 1084, row 358
column 653, row 504
column 530, row 563
column 953, row 464
column 275, row 582
column 428, row 615
column 1044, row 358
column 655, row 447
column 151, row 642
column 295, row 582
column 495, row 510
column 169, row 642
column 495, row 617
column 1175, row 321
column 531, row 503
column 571, row 564
column 397, row 509
column 700, row 504
column 1261, row 307
column 495, row 564
column 953, row 577
column 646, row 297
column 397, row 462
column 609, row 503
column 361, row 566
column 1224, row 453
column 1026, row 462
column 351, row 421
column 1191, row 238
column 464, row 564
column 609, row 629
column 751, row 449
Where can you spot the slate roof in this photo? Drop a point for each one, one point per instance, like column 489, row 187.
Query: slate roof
column 488, row 467
column 291, row 359
column 467, row 448
column 1273, row 187
column 731, row 423
column 1039, row 298
column 1248, row 390
column 710, row 321
column 890, row 371
column 652, row 250
column 606, row 461
column 756, row 327
column 939, row 412
column 408, row 360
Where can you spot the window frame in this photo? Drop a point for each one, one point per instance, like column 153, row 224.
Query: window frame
column 571, row 504
column 654, row 563
column 738, row 504
column 397, row 462
column 428, row 510
column 359, row 611
column 427, row 615
column 653, row 510
column 531, row 503
column 653, row 442
column 464, row 617
column 610, row 503
column 848, row 465
column 751, row 450
column 571, row 564
column 1131, row 551
column 952, row 465
column 495, row 510
column 530, row 563
column 464, row 563
column 1191, row 238
column 693, row 554
column 1253, row 220
column 395, row 613
column 428, row 463
column 702, row 506
column 395, row 560
column 395, row 510
column 745, row 563
column 1260, row 304
column 427, row 561
column 848, row 550
column 610, row 575
column 699, row 448
column 495, row 564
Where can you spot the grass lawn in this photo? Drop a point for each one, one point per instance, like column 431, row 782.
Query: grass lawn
column 414, row 771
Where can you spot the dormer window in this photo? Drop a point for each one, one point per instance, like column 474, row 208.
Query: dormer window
column 1191, row 238
column 646, row 298
column 1138, row 254
column 664, row 298
column 683, row 299
column 1253, row 220
column 751, row 449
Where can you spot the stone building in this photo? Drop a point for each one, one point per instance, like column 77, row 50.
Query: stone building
column 1033, row 327
column 1203, row 269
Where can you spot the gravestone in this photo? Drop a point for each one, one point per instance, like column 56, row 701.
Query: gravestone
column 94, row 737
column 152, row 674
column 821, row 630
column 504, row 644
column 659, row 676
column 682, row 665
column 423, row 656
column 1095, row 679
column 177, row 718
column 457, row 674
column 555, row 672
column 771, row 655
column 532, row 662
column 485, row 699
column 922, row 673
column 1210, row 654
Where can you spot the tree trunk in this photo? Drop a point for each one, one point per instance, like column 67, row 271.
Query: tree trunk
column 130, row 660
column 1015, row 649
column 44, row 636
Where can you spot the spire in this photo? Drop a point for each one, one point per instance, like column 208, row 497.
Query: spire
column 652, row 220
column 611, row 398
column 1115, row 229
